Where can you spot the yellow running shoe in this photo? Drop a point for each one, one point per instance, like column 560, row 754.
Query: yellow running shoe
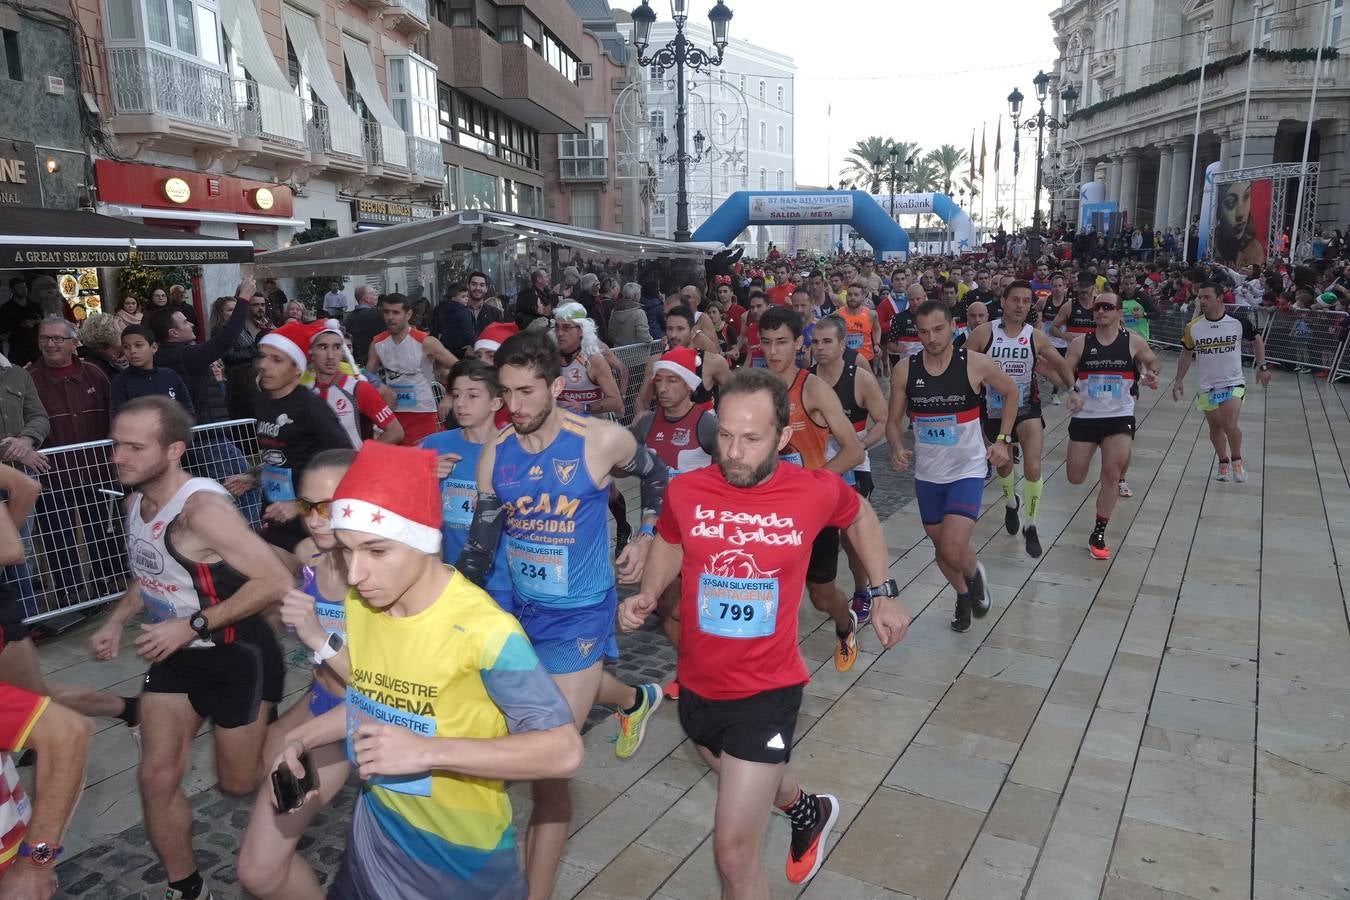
column 633, row 726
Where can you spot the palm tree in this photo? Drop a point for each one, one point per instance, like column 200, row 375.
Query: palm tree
column 972, row 187
column 1000, row 213
column 947, row 159
column 859, row 165
column 925, row 178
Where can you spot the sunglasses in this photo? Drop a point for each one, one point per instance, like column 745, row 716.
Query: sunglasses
column 1100, row 307
column 322, row 507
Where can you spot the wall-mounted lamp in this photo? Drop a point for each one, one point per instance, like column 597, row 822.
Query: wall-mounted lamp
column 52, row 165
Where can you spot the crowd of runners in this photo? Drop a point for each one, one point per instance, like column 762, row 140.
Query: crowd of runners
column 457, row 586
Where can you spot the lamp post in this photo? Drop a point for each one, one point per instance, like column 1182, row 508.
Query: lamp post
column 1039, row 123
column 680, row 54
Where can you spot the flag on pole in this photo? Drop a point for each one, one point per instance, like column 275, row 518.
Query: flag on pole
column 972, row 156
column 998, row 144
column 982, row 148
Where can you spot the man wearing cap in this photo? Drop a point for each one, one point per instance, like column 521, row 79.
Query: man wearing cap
column 294, row 424
column 588, row 381
column 446, row 701
column 355, row 401
column 683, row 435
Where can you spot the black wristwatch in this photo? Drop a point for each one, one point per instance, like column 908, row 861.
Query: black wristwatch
column 887, row 588
column 201, row 626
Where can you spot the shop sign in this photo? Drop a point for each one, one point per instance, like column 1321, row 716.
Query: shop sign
column 176, row 190
column 263, row 198
column 19, row 174
column 366, row 211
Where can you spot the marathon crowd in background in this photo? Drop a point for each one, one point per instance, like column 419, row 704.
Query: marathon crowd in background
column 478, row 376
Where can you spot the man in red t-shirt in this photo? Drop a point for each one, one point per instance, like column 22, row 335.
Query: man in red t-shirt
column 782, row 289
column 739, row 534
column 30, row 833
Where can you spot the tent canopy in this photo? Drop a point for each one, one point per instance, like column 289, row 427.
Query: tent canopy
column 435, row 239
column 33, row 238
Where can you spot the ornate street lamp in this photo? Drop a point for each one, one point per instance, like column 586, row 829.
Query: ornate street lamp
column 680, row 54
column 1039, row 123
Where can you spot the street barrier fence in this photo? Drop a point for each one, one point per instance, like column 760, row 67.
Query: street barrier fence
column 75, row 540
column 1307, row 338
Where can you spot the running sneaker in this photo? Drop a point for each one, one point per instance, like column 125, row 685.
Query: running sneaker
column 1097, row 544
column 1011, row 520
column 980, row 598
column 961, row 620
column 861, row 604
column 175, row 894
column 1239, row 471
column 1033, row 541
column 671, row 690
column 1123, row 488
column 633, row 726
column 1222, row 474
column 846, row 648
column 807, row 850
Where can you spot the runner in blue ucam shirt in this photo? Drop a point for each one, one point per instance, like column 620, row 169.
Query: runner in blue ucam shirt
column 475, row 398
column 542, row 489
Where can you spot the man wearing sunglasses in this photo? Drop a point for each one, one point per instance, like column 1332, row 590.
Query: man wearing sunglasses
column 1108, row 365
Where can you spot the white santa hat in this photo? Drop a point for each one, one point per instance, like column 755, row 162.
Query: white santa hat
column 383, row 495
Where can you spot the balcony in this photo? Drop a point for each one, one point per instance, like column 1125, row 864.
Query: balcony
column 161, row 95
column 263, row 115
column 512, row 78
column 379, row 140
column 319, row 133
column 424, row 161
column 409, row 16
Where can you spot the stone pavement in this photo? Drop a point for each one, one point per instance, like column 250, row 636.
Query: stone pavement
column 1168, row 724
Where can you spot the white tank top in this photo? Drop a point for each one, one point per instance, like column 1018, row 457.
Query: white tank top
column 168, row 589
column 1016, row 356
column 408, row 371
column 577, row 384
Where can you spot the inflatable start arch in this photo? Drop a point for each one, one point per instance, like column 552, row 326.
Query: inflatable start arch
column 865, row 212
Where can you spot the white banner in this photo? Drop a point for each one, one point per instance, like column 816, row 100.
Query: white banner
column 768, row 209
column 907, row 204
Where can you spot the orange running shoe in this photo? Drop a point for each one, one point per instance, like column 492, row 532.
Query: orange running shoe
column 846, row 648
column 807, row 850
column 1097, row 544
column 671, row 690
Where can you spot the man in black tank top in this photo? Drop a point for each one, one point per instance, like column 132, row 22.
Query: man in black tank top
column 860, row 395
column 1108, row 364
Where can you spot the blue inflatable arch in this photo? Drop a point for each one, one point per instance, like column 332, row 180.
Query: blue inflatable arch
column 857, row 208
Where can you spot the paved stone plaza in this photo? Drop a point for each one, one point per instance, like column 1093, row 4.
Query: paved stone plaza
column 1172, row 723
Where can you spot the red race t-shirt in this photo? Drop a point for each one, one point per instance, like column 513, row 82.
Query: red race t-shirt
column 746, row 552
column 19, row 711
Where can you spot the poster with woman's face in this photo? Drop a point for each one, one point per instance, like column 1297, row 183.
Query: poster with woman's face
column 1241, row 222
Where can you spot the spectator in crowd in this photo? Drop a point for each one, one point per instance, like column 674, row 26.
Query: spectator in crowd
column 571, row 278
column 484, row 313
column 50, row 302
column 178, row 302
column 101, row 344
column 23, row 428
column 75, row 395
column 295, row 311
column 276, row 300
column 129, row 311
column 588, row 294
column 335, row 302
column 141, row 377
column 365, row 321
column 653, row 304
column 239, row 358
column 159, row 298
column 193, row 361
column 533, row 310
column 19, row 320
column 455, row 321
column 628, row 321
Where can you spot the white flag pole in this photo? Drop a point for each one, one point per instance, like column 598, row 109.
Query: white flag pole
column 1307, row 136
column 1195, row 152
column 1247, row 100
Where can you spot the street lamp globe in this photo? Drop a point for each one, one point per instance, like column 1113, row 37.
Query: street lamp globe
column 1014, row 99
column 679, row 10
column 643, row 19
column 1069, row 96
column 1042, row 83
column 720, row 17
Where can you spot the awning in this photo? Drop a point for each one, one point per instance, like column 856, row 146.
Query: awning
column 435, row 239
column 58, row 238
column 197, row 215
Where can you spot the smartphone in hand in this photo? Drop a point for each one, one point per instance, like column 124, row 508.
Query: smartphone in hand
column 289, row 791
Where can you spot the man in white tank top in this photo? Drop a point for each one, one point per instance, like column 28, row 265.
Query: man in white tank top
column 408, row 358
column 204, row 579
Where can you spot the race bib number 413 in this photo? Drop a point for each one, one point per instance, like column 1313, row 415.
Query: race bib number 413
column 737, row 607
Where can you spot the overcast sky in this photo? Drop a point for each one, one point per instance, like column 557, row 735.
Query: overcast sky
column 926, row 72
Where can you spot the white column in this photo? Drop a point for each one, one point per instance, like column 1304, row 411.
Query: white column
column 1181, row 176
column 1113, row 176
column 1164, row 191
column 1129, row 183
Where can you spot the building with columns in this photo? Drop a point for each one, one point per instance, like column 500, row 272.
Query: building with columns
column 1136, row 132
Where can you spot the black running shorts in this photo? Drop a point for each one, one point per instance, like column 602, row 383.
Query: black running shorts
column 757, row 728
column 1094, row 431
column 226, row 683
column 824, row 564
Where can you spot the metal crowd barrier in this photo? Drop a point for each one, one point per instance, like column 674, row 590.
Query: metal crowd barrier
column 1306, row 338
column 75, row 542
column 635, row 357
column 1166, row 329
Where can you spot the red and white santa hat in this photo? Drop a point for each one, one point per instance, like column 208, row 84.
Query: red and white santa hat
column 493, row 335
column 680, row 361
column 324, row 326
column 383, row 495
column 293, row 340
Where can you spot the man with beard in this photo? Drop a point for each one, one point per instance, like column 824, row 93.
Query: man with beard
column 484, row 314
column 940, row 389
column 543, row 487
column 863, row 333
column 408, row 357
column 710, row 366
column 740, row 671
column 204, row 580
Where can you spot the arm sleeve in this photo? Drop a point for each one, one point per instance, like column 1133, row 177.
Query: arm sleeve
column 197, row 358
column 518, row 684
column 707, row 432
column 643, row 427
column 372, row 405
column 19, row 712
